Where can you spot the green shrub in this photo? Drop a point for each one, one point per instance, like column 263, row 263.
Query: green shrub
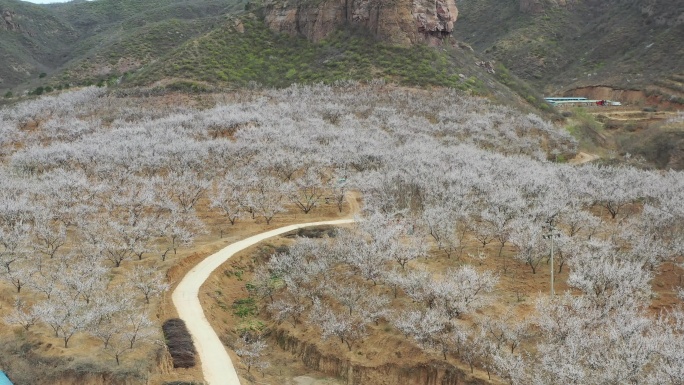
column 245, row 307
column 188, row 86
column 250, row 326
column 278, row 60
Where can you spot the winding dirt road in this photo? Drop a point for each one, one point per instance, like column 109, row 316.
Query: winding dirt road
column 217, row 367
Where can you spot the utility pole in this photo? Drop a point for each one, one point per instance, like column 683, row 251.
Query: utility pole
column 551, row 233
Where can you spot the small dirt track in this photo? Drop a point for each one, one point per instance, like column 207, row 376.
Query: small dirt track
column 217, row 367
column 583, row 157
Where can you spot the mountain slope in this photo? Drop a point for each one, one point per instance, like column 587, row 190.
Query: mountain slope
column 33, row 39
column 557, row 45
column 209, row 43
column 563, row 44
column 244, row 51
column 80, row 42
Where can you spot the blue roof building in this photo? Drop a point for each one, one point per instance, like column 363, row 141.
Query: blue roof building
column 3, row 379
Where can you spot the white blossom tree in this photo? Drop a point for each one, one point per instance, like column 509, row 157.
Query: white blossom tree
column 251, row 351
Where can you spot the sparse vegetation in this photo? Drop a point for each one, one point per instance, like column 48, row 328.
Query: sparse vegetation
column 587, row 130
column 225, row 56
column 660, row 145
column 554, row 44
column 245, row 307
column 87, row 42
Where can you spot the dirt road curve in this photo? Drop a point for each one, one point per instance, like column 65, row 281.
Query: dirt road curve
column 217, row 367
column 583, row 157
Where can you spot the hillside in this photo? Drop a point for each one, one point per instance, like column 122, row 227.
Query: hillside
column 244, row 52
column 559, row 45
column 555, row 45
column 108, row 200
column 81, row 42
column 214, row 44
column 33, row 40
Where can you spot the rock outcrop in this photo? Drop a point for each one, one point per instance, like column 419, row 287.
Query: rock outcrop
column 401, row 22
column 661, row 14
column 8, row 23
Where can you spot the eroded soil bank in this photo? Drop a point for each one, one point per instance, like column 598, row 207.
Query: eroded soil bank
column 428, row 373
column 625, row 96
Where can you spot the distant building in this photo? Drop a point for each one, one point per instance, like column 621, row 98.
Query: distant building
column 4, row 380
column 579, row 102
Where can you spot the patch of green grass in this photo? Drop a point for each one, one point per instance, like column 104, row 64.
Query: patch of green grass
column 250, row 326
column 245, row 307
column 588, row 131
column 524, row 90
column 235, row 272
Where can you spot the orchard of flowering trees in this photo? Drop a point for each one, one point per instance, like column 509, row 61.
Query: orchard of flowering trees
column 99, row 189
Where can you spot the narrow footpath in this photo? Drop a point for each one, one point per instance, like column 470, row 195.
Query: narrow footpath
column 217, row 366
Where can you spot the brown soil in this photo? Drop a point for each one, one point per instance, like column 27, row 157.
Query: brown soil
column 298, row 351
column 626, row 97
column 385, row 351
column 220, row 234
column 380, row 359
column 583, row 157
column 232, row 234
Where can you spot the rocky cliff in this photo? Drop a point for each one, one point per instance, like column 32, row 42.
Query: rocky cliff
column 8, row 23
column 402, row 22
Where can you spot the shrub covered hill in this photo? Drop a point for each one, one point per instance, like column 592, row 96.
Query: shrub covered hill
column 78, row 42
column 557, row 45
column 567, row 44
column 225, row 43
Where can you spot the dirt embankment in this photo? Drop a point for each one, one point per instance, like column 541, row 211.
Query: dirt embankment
column 608, row 93
column 633, row 97
column 429, row 373
column 71, row 378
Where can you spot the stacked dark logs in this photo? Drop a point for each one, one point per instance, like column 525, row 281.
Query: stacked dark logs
column 179, row 343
